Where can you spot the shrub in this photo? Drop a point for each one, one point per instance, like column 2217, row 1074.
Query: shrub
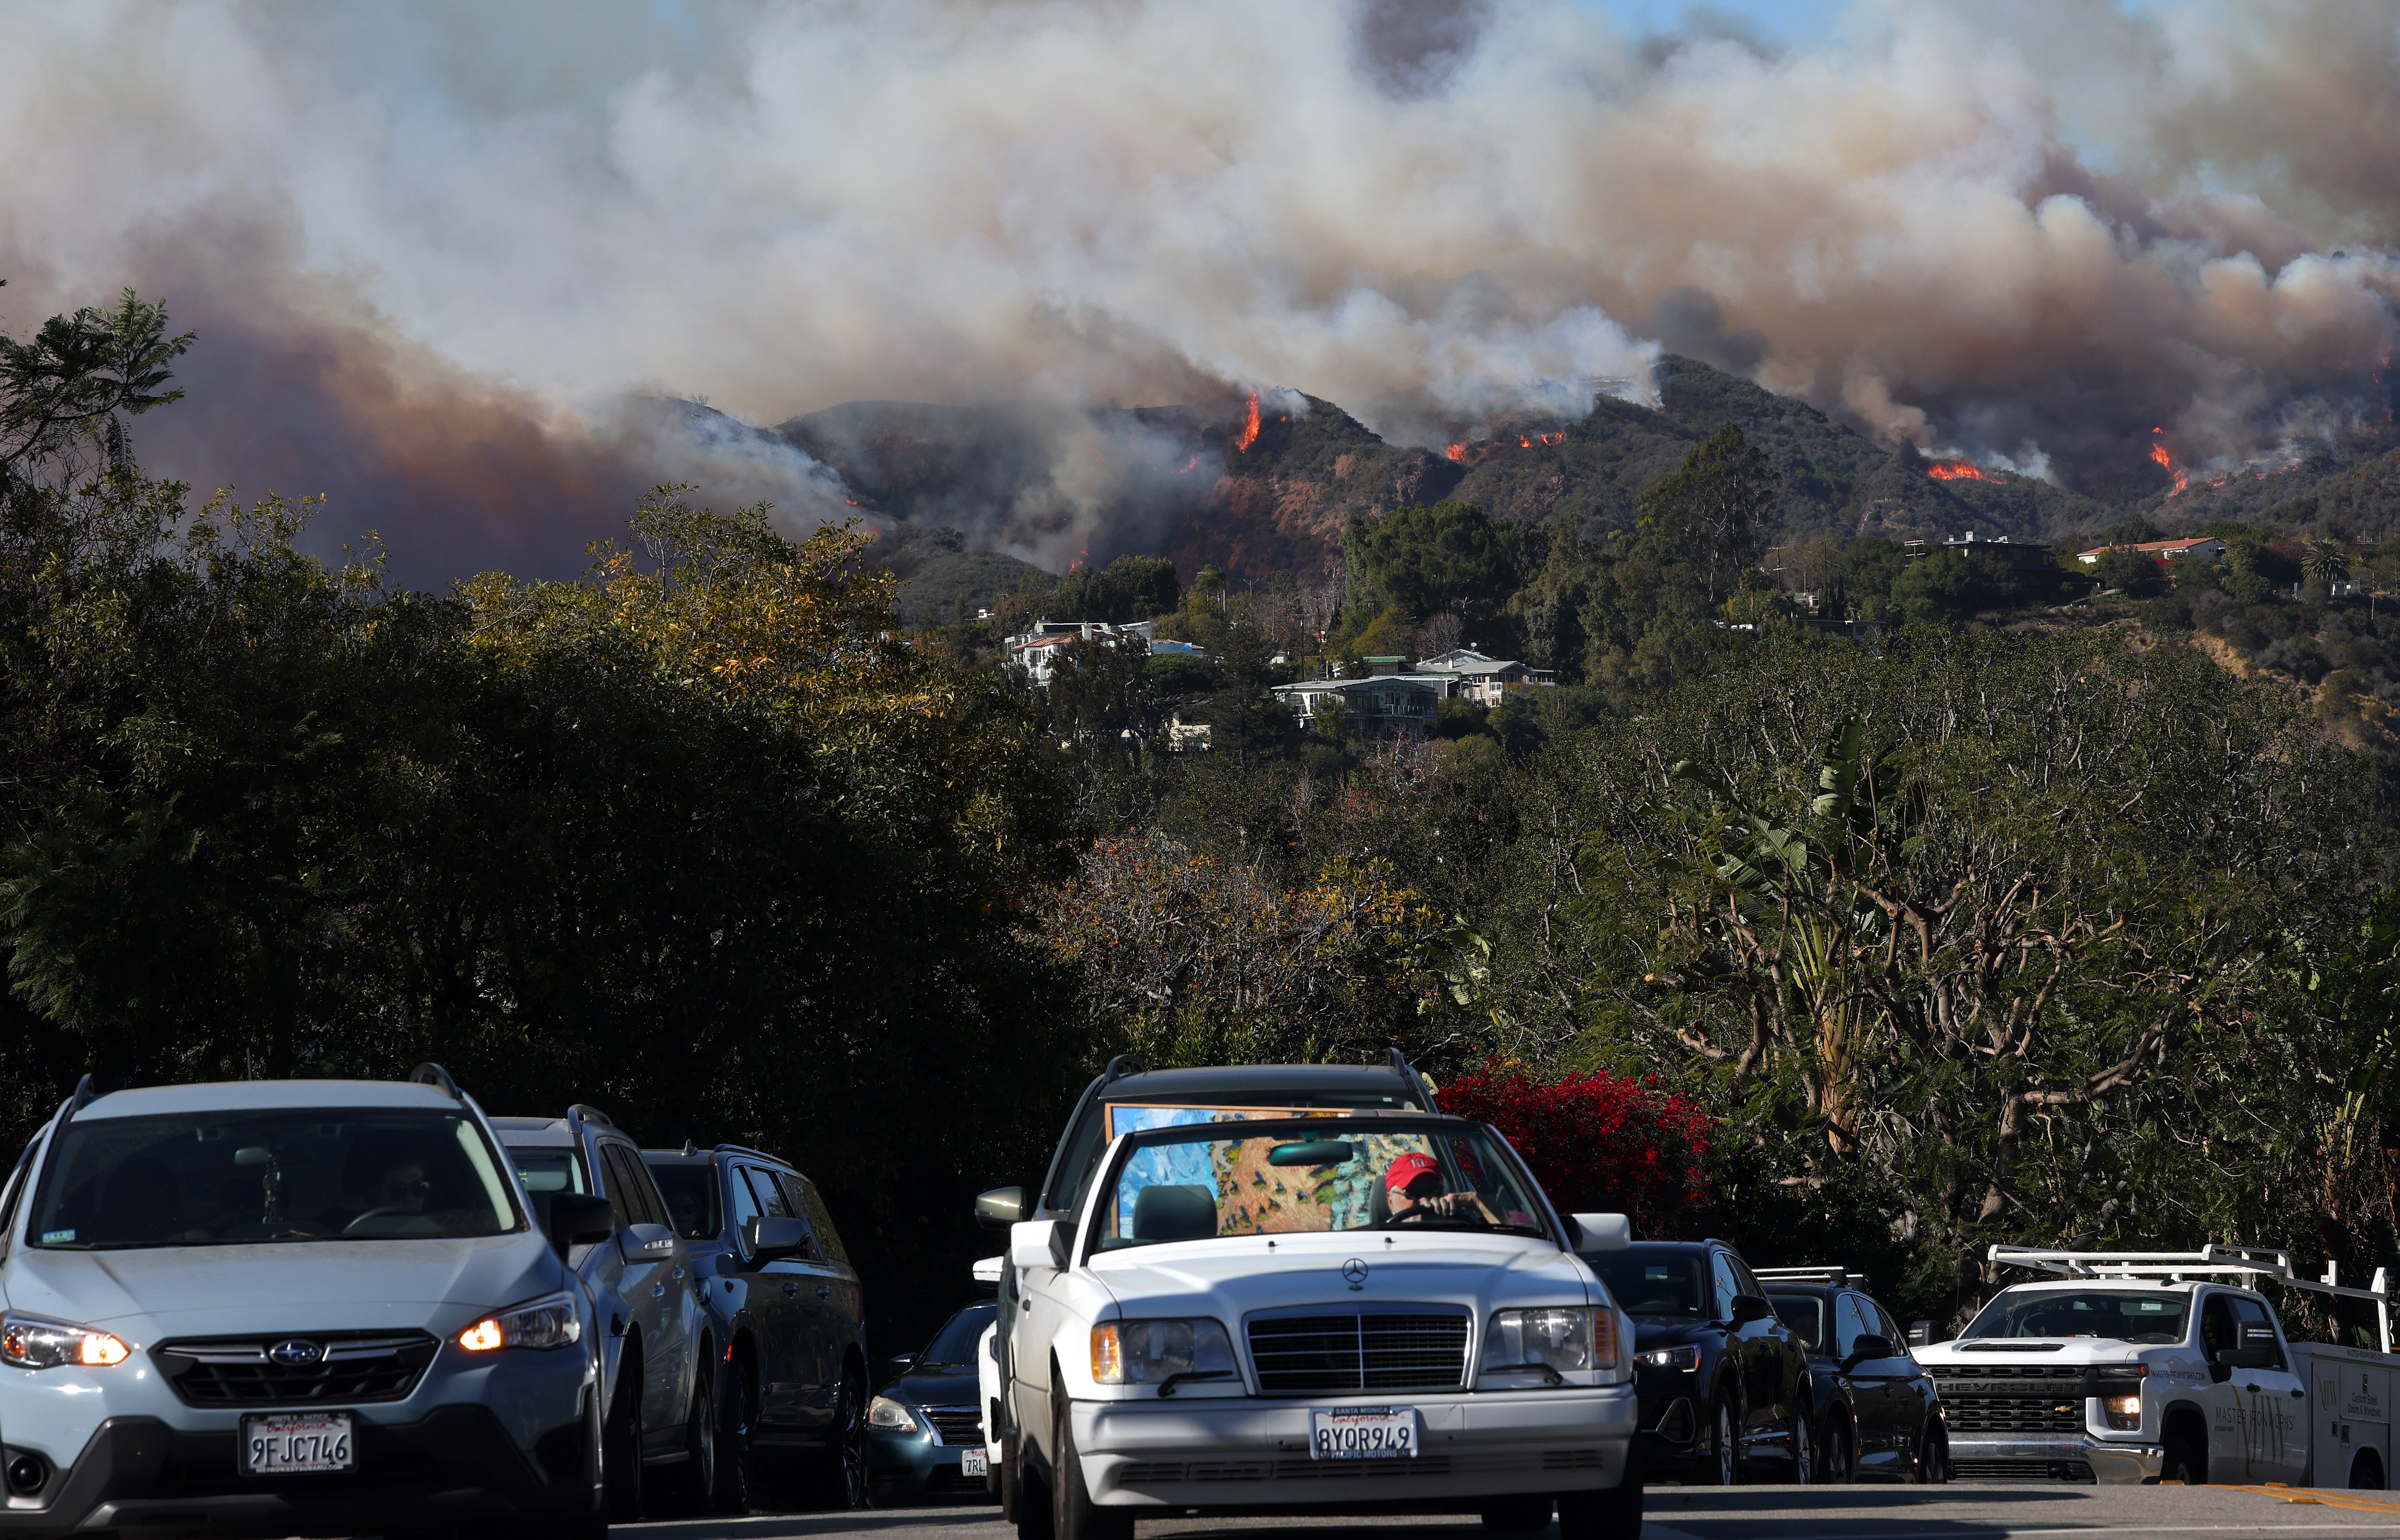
column 1598, row 1143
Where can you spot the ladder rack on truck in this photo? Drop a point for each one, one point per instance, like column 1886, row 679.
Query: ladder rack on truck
column 2247, row 1261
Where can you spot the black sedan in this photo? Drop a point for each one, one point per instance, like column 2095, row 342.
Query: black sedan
column 1723, row 1385
column 1876, row 1412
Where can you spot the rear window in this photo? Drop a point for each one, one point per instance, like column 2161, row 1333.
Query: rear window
column 224, row 1179
column 691, row 1194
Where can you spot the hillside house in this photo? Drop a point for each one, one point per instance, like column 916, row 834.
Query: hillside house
column 1037, row 653
column 1387, row 705
column 1472, row 676
column 2204, row 549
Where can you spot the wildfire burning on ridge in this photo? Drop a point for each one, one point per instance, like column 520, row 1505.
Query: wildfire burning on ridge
column 1249, row 433
column 2166, row 462
column 1467, row 454
column 1958, row 470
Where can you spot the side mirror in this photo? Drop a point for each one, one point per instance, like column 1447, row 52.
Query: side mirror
column 1921, row 1334
column 772, row 1237
column 579, row 1219
column 1001, row 1207
column 1869, row 1346
column 1039, row 1243
column 1750, row 1307
column 1602, row 1232
column 900, row 1363
column 2245, row 1357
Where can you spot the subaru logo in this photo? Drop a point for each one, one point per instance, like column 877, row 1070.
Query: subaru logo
column 1354, row 1273
column 294, row 1355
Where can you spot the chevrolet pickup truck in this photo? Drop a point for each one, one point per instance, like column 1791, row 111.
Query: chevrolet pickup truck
column 2141, row 1367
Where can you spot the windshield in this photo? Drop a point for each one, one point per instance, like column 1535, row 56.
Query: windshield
column 1205, row 1181
column 218, row 1179
column 2117, row 1314
column 1804, row 1314
column 955, row 1343
column 691, row 1192
column 1672, row 1287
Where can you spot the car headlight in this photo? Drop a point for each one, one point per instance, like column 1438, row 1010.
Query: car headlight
column 1561, row 1337
column 2120, row 1395
column 890, row 1415
column 542, row 1324
column 1670, row 1357
column 29, row 1341
column 1141, row 1352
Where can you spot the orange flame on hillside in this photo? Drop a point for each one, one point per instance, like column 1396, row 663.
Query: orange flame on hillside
column 1249, row 434
column 1456, row 452
column 1958, row 470
column 2166, row 462
column 1079, row 558
column 1189, row 464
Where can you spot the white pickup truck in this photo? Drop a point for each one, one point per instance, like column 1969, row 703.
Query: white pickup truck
column 2140, row 1365
column 1322, row 1310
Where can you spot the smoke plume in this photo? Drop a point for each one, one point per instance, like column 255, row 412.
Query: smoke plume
column 435, row 250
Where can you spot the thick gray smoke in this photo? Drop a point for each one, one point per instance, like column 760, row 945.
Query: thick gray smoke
column 433, row 249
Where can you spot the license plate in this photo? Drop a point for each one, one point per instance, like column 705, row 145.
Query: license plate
column 974, row 1461
column 1363, row 1433
column 299, row 1443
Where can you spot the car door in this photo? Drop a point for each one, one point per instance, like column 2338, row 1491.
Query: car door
column 1907, row 1386
column 647, row 1249
column 840, row 1307
column 2278, row 1407
column 1746, row 1346
column 1870, row 1381
column 789, row 1377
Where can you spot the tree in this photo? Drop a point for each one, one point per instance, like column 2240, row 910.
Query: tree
column 1130, row 588
column 1950, row 586
column 1425, row 561
column 71, row 386
column 2130, row 573
column 1597, row 1142
column 2325, row 563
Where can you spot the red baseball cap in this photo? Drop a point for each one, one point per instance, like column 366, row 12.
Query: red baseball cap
column 1407, row 1168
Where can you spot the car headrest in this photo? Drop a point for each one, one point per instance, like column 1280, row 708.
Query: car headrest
column 1174, row 1214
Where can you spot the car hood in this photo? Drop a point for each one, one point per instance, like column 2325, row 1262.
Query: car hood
column 1648, row 1334
column 2067, row 1351
column 317, row 1285
column 937, row 1386
column 1232, row 1276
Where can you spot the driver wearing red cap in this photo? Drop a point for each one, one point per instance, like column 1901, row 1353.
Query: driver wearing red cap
column 1413, row 1184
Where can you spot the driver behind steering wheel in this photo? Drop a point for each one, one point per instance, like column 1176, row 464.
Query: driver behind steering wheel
column 1413, row 1184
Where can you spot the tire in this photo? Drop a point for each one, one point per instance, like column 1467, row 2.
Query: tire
column 1516, row 1514
column 1612, row 1515
column 1030, row 1491
column 1074, row 1515
column 735, row 1417
column 1933, row 1459
column 687, row 1487
column 2366, row 1472
column 841, row 1477
column 1724, row 1467
column 992, row 1453
column 1838, row 1465
column 2186, row 1460
column 1804, row 1452
column 620, row 1441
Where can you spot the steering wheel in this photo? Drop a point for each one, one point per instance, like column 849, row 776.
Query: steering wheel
column 362, row 1225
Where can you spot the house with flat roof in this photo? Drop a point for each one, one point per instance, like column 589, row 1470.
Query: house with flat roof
column 1381, row 705
column 2203, row 549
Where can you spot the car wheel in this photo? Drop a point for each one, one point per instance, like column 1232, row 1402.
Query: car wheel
column 1837, row 1464
column 620, row 1458
column 1804, row 1452
column 693, row 1481
column 1074, row 1515
column 1612, row 1515
column 2186, row 1460
column 1030, row 1493
column 2366, row 1472
column 843, row 1483
column 1725, row 1447
column 1933, row 1460
column 1516, row 1514
column 735, row 1418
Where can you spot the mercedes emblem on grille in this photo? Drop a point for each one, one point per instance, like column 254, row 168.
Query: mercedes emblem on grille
column 295, row 1354
column 1354, row 1272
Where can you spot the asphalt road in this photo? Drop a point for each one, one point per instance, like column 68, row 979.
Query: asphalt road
column 1963, row 1511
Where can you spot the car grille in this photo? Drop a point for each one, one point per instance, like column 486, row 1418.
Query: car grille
column 2020, row 1470
column 957, row 1424
column 239, row 1371
column 2009, row 1398
column 1358, row 1350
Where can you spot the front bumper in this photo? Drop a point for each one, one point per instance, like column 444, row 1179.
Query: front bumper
column 913, row 1465
column 1229, row 1452
column 2061, row 1459
column 454, row 1463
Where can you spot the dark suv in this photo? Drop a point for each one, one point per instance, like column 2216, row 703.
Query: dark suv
column 1725, row 1384
column 782, row 1295
column 1877, row 1412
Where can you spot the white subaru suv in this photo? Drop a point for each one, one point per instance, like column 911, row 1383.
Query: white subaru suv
column 1261, row 1309
column 291, row 1307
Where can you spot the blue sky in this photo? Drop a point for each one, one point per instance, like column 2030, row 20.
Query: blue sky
column 1793, row 21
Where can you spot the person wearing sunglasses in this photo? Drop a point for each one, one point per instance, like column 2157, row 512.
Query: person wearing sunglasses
column 404, row 1187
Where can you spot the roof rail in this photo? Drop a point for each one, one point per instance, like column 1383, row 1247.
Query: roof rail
column 84, row 1096
column 1119, row 1066
column 584, row 1112
column 1408, row 1073
column 748, row 1150
column 2273, row 1264
column 429, row 1073
column 1839, row 1277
